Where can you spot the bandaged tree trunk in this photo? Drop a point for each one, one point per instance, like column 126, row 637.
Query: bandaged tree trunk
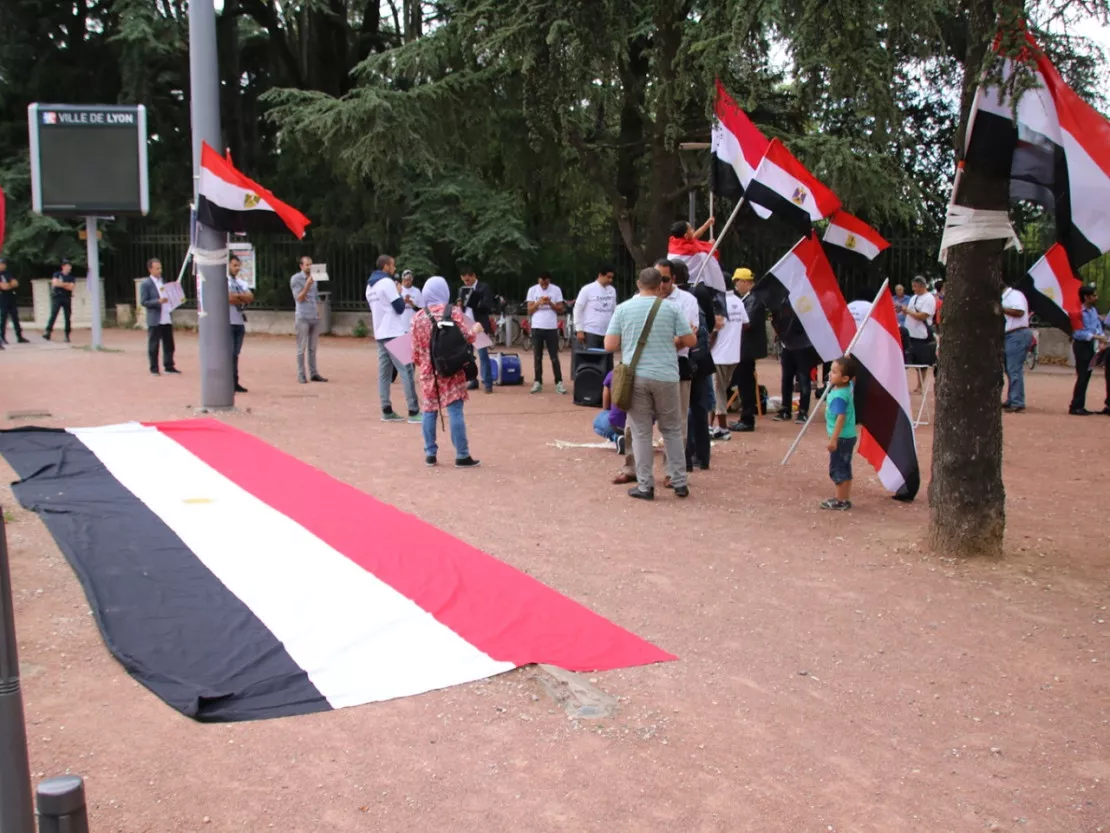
column 966, row 495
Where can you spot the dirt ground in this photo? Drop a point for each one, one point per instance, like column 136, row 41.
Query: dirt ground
column 832, row 675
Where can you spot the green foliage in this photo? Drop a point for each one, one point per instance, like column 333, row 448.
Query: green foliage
column 360, row 330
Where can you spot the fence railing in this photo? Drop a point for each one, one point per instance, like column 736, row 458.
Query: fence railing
column 350, row 263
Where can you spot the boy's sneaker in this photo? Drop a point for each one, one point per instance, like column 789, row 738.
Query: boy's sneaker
column 801, row 418
column 783, row 416
column 560, row 387
column 467, row 463
column 415, row 418
column 536, row 387
column 619, row 442
column 836, row 505
column 430, row 461
column 392, row 416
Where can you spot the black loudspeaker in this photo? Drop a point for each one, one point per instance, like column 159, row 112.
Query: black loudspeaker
column 589, row 369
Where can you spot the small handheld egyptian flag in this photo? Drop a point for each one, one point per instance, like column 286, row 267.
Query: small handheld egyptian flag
column 850, row 240
column 229, row 201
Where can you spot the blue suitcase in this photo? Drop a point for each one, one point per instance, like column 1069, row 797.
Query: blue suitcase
column 506, row 369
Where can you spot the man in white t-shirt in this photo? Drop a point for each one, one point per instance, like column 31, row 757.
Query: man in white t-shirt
column 1019, row 338
column 238, row 296
column 920, row 310
column 726, row 356
column 387, row 310
column 545, row 305
column 593, row 309
column 413, row 298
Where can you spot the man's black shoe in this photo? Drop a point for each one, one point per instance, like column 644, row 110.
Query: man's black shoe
column 742, row 427
column 430, row 460
column 23, row 340
column 1079, row 412
column 635, row 492
column 318, row 378
column 172, row 370
column 240, row 389
column 682, row 491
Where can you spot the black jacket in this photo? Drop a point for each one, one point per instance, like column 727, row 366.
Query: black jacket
column 479, row 300
column 753, row 342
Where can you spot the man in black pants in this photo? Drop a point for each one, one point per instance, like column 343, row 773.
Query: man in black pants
column 753, row 346
column 159, row 324
column 545, row 305
column 798, row 360
column 1085, row 341
column 61, row 298
column 8, row 308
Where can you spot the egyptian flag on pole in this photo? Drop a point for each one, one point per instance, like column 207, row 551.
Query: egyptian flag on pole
column 695, row 254
column 738, row 148
column 882, row 399
column 1052, row 290
column 1057, row 154
column 236, row 582
column 851, row 241
column 782, row 184
column 229, row 201
column 806, row 279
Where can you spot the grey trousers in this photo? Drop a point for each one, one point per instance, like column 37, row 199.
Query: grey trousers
column 683, row 409
column 661, row 401
column 386, row 362
column 722, row 380
column 308, row 335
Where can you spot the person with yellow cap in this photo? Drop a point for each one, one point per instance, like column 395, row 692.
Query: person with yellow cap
column 753, row 346
column 726, row 352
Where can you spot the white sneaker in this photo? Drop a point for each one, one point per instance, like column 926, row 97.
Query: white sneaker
column 536, row 387
column 560, row 387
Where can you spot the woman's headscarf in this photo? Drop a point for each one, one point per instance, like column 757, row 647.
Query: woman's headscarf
column 436, row 291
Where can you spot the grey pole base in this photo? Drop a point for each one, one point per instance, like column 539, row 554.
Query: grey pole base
column 61, row 805
column 16, row 812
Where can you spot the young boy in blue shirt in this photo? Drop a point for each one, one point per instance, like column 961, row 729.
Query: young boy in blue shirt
column 840, row 419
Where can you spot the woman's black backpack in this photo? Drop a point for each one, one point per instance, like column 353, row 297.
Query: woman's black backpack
column 450, row 351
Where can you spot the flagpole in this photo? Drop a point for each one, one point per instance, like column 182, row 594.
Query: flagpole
column 717, row 242
column 847, row 352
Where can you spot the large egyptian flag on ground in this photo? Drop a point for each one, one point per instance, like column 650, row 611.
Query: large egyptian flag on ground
column 882, row 398
column 851, row 241
column 1052, row 290
column 236, row 582
column 227, row 200
column 695, row 254
column 795, row 196
column 1057, row 154
column 805, row 278
column 738, row 147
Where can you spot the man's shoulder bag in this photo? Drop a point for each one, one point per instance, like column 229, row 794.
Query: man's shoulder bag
column 623, row 374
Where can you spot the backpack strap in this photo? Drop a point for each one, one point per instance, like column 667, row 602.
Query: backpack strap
column 644, row 333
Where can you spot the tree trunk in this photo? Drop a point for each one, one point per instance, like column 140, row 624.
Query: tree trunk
column 966, row 495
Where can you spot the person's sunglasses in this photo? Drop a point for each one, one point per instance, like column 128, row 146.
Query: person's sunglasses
column 668, row 280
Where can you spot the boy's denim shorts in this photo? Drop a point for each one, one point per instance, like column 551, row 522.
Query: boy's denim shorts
column 840, row 461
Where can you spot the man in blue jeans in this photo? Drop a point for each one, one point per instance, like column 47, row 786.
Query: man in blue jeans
column 610, row 423
column 387, row 308
column 1019, row 338
column 476, row 299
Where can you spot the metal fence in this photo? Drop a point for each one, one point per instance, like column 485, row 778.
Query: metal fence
column 350, row 263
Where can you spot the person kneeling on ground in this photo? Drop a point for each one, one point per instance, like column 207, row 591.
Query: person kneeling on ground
column 611, row 421
column 840, row 419
column 441, row 393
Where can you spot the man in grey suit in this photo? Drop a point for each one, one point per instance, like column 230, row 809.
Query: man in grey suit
column 159, row 324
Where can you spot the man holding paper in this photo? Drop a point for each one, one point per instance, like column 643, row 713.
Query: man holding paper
column 159, row 298
column 387, row 308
